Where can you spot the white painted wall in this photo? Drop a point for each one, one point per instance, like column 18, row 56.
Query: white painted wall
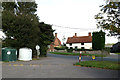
column 86, row 45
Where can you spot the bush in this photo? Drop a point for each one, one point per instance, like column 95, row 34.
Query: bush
column 107, row 49
column 70, row 50
column 60, row 48
column 98, row 40
column 115, row 48
column 43, row 50
column 66, row 47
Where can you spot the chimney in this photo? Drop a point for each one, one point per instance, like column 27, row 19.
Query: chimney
column 75, row 34
column 89, row 34
column 55, row 35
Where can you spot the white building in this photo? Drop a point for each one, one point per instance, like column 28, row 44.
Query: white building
column 80, row 42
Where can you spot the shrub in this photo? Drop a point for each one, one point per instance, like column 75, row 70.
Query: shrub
column 107, row 49
column 98, row 40
column 43, row 50
column 70, row 50
column 115, row 48
column 60, row 48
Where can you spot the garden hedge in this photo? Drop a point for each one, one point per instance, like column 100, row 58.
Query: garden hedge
column 98, row 40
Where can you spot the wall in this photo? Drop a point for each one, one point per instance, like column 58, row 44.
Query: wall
column 86, row 45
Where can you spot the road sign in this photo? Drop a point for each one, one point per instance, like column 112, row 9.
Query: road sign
column 93, row 57
column 37, row 47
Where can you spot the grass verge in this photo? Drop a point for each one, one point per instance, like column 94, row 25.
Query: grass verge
column 100, row 64
column 117, row 53
column 77, row 54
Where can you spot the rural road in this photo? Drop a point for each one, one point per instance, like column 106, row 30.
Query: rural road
column 54, row 66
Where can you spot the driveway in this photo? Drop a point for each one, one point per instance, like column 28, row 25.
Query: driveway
column 54, row 66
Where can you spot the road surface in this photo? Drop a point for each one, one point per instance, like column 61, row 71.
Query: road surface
column 54, row 66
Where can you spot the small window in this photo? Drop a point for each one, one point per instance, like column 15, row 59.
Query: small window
column 70, row 44
column 82, row 43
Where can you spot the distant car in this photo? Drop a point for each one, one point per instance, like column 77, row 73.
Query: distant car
column 115, row 48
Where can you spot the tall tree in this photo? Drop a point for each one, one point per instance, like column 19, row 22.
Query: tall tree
column 46, row 37
column 109, row 18
column 21, row 29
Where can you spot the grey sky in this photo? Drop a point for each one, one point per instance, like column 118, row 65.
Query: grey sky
column 71, row 13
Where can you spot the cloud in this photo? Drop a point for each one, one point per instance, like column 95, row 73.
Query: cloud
column 70, row 13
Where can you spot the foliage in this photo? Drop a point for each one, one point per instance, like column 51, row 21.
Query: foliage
column 70, row 50
column 115, row 48
column 117, row 53
column 24, row 7
column 24, row 29
column 43, row 50
column 109, row 18
column 98, row 40
column 60, row 48
column 21, row 30
column 45, row 37
column 100, row 64
column 107, row 49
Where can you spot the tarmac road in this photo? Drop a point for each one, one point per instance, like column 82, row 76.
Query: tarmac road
column 54, row 66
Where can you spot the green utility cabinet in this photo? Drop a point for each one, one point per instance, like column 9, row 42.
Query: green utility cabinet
column 9, row 54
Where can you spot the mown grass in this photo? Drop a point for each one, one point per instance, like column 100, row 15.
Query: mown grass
column 77, row 54
column 117, row 53
column 100, row 64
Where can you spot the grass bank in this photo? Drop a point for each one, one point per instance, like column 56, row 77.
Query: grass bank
column 100, row 64
column 77, row 54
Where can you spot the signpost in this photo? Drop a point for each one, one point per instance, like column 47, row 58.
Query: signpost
column 80, row 56
column 93, row 57
column 38, row 52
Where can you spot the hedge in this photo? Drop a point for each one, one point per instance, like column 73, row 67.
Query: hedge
column 60, row 48
column 70, row 50
column 43, row 50
column 98, row 40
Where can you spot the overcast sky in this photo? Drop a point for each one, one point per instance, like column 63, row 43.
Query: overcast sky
column 73, row 14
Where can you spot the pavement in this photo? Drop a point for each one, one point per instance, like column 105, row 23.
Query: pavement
column 54, row 66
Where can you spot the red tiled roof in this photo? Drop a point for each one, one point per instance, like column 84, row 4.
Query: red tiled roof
column 79, row 39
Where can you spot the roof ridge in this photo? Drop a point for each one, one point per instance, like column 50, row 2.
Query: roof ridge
column 79, row 39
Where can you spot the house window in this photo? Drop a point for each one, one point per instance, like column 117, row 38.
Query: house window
column 70, row 44
column 82, row 43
